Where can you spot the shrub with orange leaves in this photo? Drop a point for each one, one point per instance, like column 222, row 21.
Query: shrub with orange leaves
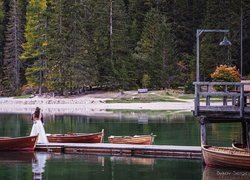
column 225, row 73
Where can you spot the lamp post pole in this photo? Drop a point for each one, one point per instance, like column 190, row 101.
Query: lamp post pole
column 198, row 33
column 241, row 44
column 224, row 42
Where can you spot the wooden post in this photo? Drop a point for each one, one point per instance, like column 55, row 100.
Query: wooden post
column 203, row 134
column 247, row 135
column 197, row 99
column 244, row 132
column 225, row 97
column 203, row 130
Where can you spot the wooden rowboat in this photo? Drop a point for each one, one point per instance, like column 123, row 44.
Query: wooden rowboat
column 137, row 139
column 26, row 143
column 77, row 137
column 226, row 157
column 240, row 147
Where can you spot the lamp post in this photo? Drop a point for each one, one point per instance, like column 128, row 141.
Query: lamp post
column 241, row 44
column 224, row 42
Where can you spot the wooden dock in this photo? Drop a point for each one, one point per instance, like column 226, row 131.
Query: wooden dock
column 222, row 102
column 190, row 152
column 231, row 103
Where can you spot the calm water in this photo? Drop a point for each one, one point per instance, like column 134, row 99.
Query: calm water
column 170, row 128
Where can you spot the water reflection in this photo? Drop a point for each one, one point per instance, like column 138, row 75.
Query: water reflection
column 133, row 160
column 16, row 157
column 38, row 165
column 90, row 159
column 41, row 165
column 212, row 173
column 171, row 128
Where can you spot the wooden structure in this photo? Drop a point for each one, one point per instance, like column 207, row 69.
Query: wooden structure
column 225, row 157
column 188, row 152
column 137, row 139
column 26, row 143
column 77, row 137
column 230, row 104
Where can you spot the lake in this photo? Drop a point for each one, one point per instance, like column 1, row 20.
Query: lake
column 171, row 128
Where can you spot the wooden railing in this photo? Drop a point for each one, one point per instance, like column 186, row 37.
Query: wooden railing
column 231, row 94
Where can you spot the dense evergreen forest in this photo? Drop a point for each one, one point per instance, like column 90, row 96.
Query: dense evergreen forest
column 67, row 46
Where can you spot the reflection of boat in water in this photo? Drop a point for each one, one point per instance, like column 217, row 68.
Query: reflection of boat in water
column 226, row 157
column 26, row 143
column 133, row 160
column 137, row 139
column 90, row 159
column 16, row 157
column 210, row 173
column 77, row 137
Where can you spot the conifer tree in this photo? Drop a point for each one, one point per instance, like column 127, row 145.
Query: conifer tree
column 71, row 63
column 2, row 13
column 12, row 49
column 35, row 44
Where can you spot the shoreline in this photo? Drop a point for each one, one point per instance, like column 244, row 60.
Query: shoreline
column 84, row 105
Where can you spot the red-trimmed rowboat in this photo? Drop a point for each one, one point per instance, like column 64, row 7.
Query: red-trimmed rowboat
column 26, row 143
column 137, row 139
column 226, row 157
column 76, row 137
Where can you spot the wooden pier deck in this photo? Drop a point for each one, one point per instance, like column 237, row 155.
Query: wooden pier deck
column 230, row 103
column 190, row 152
column 223, row 102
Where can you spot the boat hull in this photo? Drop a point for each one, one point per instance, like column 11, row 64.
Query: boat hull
column 27, row 143
column 240, row 147
column 140, row 139
column 225, row 157
column 77, row 138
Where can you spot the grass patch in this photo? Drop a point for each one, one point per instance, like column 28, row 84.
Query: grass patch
column 142, row 100
column 22, row 97
column 191, row 96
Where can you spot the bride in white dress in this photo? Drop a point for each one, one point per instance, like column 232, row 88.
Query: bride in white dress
column 37, row 127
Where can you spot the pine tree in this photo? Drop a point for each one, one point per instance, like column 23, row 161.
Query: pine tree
column 71, row 63
column 34, row 47
column 218, row 16
column 12, row 49
column 2, row 13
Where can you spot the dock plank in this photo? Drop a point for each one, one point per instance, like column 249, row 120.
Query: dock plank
column 192, row 152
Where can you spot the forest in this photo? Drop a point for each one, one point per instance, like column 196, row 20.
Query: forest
column 70, row 46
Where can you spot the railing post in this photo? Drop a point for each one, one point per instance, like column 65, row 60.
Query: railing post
column 242, row 100
column 225, row 97
column 197, row 99
column 207, row 97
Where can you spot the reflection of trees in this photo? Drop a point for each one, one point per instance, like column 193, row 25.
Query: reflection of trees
column 14, row 125
column 223, row 133
column 175, row 128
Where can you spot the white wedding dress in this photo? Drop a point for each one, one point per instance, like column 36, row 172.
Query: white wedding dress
column 38, row 128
